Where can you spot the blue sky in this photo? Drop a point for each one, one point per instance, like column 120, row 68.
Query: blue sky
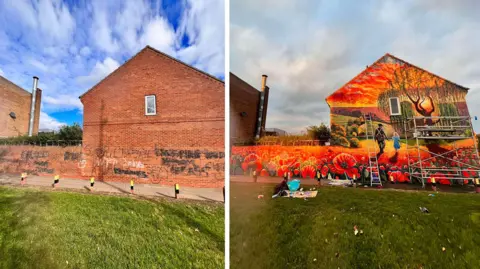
column 310, row 48
column 71, row 45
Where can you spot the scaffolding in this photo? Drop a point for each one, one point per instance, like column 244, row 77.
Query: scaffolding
column 433, row 130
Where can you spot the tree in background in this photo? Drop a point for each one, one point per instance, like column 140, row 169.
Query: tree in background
column 69, row 133
column 320, row 132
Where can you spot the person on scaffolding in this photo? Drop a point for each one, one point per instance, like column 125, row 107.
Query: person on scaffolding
column 380, row 137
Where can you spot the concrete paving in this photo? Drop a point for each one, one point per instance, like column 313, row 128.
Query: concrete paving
column 152, row 190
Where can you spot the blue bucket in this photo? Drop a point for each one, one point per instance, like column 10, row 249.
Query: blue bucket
column 294, row 185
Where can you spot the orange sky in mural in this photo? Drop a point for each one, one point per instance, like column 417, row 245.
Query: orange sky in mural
column 364, row 90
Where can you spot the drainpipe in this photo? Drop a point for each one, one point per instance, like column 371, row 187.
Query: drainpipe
column 32, row 109
column 261, row 106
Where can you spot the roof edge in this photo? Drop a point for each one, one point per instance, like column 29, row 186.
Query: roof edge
column 232, row 74
column 154, row 50
column 9, row 81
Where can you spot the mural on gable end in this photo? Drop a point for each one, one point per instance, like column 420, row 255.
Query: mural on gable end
column 419, row 93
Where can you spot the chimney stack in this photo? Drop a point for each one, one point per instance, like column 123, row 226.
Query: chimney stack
column 32, row 109
column 264, row 82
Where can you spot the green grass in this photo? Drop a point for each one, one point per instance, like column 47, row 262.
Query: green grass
column 292, row 233
column 43, row 229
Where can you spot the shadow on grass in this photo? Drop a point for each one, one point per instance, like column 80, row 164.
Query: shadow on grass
column 19, row 211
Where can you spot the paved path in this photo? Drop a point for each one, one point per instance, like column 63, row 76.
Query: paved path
column 206, row 194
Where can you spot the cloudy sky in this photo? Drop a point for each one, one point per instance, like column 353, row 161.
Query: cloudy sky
column 71, row 45
column 310, row 48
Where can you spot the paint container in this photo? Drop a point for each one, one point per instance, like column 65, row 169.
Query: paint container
column 92, row 182
column 131, row 186
column 477, row 185
column 434, row 184
column 177, row 191
column 255, row 175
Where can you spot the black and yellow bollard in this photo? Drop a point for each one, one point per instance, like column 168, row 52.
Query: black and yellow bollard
column 56, row 180
column 476, row 182
column 23, row 180
column 177, row 190
column 92, row 182
column 434, row 184
column 131, row 186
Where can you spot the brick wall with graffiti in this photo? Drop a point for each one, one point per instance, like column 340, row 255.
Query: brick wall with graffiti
column 188, row 167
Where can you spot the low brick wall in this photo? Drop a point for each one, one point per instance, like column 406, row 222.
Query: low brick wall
column 187, row 167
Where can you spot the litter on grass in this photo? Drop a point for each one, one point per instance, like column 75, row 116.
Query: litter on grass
column 424, row 209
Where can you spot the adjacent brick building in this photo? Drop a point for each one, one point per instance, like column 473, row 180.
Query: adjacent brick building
column 248, row 110
column 158, row 120
column 15, row 104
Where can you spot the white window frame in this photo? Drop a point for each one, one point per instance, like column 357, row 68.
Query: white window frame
column 398, row 105
column 154, row 105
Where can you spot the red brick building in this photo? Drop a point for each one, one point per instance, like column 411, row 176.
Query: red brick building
column 157, row 120
column 15, row 105
column 248, row 110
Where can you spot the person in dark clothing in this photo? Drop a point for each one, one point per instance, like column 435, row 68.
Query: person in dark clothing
column 380, row 137
column 280, row 189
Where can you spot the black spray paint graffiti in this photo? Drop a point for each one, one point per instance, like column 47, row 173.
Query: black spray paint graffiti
column 189, row 154
column 191, row 162
column 140, row 174
column 29, row 154
column 72, row 156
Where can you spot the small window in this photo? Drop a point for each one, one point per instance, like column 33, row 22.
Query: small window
column 150, row 105
column 395, row 107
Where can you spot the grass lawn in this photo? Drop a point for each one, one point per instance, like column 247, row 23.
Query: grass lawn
column 318, row 233
column 44, row 229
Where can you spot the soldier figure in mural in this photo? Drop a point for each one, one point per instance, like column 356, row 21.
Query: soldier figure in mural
column 380, row 137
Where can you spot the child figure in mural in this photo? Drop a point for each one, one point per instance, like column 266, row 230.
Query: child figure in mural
column 396, row 141
column 380, row 137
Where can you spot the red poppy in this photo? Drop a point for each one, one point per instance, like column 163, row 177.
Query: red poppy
column 308, row 171
column 296, row 172
column 353, row 173
column 382, row 167
column 440, row 178
column 344, row 163
column 394, row 168
column 264, row 173
column 324, row 171
column 282, row 170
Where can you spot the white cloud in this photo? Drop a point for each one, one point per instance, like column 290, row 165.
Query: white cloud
column 85, row 51
column 70, row 47
column 99, row 71
column 1, row 72
column 160, row 35
column 47, row 122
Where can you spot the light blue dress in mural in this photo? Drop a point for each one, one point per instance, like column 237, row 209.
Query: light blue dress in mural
column 396, row 142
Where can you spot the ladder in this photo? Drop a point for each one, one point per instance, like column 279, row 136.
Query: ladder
column 372, row 152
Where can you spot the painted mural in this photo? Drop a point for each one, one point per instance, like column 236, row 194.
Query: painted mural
column 420, row 94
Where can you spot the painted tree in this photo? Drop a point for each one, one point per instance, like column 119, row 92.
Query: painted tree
column 423, row 89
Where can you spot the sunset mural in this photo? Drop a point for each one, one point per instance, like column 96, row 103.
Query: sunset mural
column 420, row 93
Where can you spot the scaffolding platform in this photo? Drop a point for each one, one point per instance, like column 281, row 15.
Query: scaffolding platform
column 440, row 128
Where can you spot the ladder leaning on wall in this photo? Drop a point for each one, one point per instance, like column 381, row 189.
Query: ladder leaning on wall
column 372, row 151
